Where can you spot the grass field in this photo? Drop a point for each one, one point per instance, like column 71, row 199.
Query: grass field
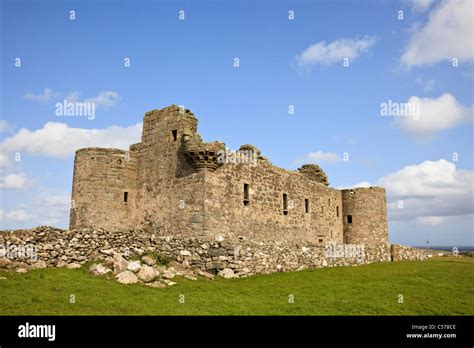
column 439, row 286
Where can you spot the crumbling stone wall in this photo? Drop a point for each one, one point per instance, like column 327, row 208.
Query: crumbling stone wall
column 59, row 248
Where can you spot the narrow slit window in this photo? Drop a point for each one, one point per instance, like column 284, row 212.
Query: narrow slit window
column 285, row 204
column 306, row 205
column 320, row 241
column 246, row 194
column 174, row 132
column 337, row 211
column 125, row 197
column 322, row 209
column 349, row 219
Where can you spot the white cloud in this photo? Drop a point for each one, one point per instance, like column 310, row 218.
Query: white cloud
column 59, row 140
column 3, row 126
column 13, row 181
column 45, row 209
column 360, row 184
column 447, row 34
column 73, row 97
column 53, row 209
column 4, row 161
column 336, row 51
column 429, row 192
column 45, row 97
column 435, row 114
column 18, row 215
column 104, row 98
column 61, row 200
column 431, row 220
column 319, row 157
column 428, row 85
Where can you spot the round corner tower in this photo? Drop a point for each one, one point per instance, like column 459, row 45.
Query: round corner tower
column 365, row 215
column 103, row 190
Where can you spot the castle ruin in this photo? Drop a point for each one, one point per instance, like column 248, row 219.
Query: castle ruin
column 179, row 185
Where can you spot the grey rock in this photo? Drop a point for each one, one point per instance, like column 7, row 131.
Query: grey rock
column 134, row 266
column 149, row 260
column 126, row 277
column 226, row 273
column 74, row 266
column 99, row 269
column 147, row 274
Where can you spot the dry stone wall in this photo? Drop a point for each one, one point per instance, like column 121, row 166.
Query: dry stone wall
column 52, row 247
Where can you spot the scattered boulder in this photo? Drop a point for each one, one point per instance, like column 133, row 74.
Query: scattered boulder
column 119, row 263
column 21, row 270
column 169, row 282
column 226, row 273
column 39, row 264
column 73, row 266
column 147, row 274
column 156, row 284
column 134, row 266
column 169, row 275
column 149, row 260
column 99, row 269
column 127, row 277
column 5, row 262
column 205, row 274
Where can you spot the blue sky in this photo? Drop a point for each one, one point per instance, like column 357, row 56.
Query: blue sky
column 283, row 62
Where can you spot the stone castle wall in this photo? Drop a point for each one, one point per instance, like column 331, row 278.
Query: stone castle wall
column 57, row 248
column 313, row 214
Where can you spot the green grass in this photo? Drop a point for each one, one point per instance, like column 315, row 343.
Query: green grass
column 439, row 286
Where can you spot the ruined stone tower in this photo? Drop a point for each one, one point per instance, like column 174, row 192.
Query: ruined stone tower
column 177, row 184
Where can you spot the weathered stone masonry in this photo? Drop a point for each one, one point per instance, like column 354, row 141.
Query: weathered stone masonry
column 175, row 181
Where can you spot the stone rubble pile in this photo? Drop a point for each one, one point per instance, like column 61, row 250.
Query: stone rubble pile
column 146, row 270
